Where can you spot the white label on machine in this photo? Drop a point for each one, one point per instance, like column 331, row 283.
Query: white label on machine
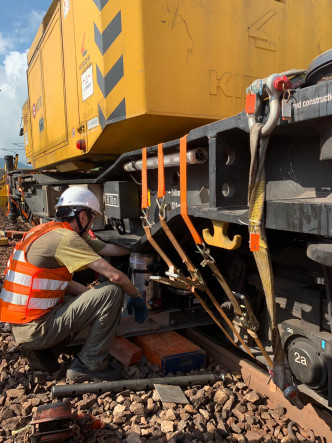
column 93, row 123
column 66, row 7
column 87, row 83
column 26, row 139
column 112, row 200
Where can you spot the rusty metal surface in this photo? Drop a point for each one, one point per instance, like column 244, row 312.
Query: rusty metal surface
column 319, row 420
column 53, row 412
column 55, row 436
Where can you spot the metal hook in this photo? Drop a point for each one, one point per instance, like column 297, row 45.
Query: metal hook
column 145, row 219
column 163, row 207
column 220, row 238
column 160, row 205
column 205, row 252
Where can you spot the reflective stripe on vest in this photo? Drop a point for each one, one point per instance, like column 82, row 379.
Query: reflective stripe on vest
column 42, row 284
column 28, row 291
column 34, row 303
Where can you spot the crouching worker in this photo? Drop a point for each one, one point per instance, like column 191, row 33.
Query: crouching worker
column 39, row 273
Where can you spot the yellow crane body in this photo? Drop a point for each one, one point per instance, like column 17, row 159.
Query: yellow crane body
column 107, row 77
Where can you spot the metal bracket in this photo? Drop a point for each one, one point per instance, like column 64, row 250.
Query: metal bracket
column 220, row 238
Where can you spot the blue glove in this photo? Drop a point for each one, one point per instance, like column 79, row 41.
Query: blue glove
column 140, row 309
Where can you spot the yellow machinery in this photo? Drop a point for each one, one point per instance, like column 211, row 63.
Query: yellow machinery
column 106, row 77
column 10, row 164
column 109, row 77
column 3, row 194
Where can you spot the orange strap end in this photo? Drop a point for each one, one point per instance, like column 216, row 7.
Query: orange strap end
column 250, row 104
column 161, row 172
column 183, row 191
column 145, row 201
column 254, row 242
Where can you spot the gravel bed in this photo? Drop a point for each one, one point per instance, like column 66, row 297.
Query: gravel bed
column 225, row 411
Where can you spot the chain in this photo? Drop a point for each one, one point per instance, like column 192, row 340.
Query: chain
column 104, row 435
column 26, row 438
column 83, row 430
column 77, row 433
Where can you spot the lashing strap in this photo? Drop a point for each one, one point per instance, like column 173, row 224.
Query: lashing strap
column 256, row 200
column 22, row 194
column 155, row 245
column 145, row 199
column 183, row 191
column 161, row 172
column 194, row 274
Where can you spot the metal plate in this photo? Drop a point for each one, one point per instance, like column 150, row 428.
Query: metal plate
column 171, row 394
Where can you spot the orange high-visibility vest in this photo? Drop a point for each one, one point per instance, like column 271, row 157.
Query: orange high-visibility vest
column 28, row 291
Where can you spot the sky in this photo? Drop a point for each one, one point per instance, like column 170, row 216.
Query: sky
column 19, row 22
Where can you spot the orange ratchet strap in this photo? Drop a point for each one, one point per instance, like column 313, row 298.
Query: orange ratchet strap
column 145, row 205
column 22, row 193
column 161, row 172
column 183, row 191
column 14, row 202
column 145, row 199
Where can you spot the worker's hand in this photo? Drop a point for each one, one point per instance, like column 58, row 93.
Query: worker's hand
column 140, row 309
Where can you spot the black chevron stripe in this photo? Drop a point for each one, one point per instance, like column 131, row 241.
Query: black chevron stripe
column 119, row 113
column 113, row 30
column 114, row 75
column 100, row 3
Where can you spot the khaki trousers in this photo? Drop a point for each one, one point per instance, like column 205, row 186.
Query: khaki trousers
column 99, row 308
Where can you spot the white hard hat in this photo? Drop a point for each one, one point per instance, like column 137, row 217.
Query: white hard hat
column 79, row 197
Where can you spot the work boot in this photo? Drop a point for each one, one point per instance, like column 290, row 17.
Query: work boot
column 78, row 373
column 41, row 360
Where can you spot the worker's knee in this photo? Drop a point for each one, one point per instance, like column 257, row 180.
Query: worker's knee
column 110, row 294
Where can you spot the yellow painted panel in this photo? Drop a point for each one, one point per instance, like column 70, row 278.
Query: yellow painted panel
column 132, row 86
column 27, row 129
column 71, row 87
column 205, row 53
column 138, row 72
column 35, row 42
column 35, row 101
column 53, row 81
column 86, row 17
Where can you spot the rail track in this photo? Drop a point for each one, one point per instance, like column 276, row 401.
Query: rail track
column 312, row 415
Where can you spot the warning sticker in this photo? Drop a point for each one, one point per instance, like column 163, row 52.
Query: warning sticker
column 87, row 83
column 92, row 123
column 66, row 7
column 26, row 139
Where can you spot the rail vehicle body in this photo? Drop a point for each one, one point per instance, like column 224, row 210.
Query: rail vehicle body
column 108, row 78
